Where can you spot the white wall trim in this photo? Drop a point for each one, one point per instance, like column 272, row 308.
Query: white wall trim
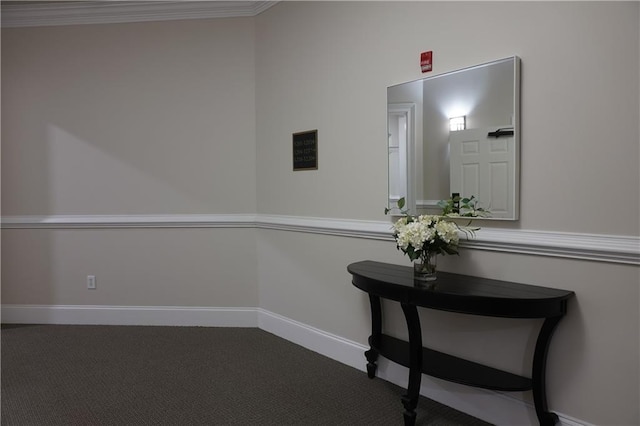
column 604, row 248
column 374, row 230
column 327, row 344
column 29, row 14
column 129, row 315
column 130, row 221
column 495, row 407
column 593, row 247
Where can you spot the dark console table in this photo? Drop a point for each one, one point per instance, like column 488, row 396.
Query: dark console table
column 463, row 294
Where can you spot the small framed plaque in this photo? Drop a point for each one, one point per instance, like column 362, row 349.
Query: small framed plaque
column 305, row 150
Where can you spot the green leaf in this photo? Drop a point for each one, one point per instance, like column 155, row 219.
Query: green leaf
column 401, row 202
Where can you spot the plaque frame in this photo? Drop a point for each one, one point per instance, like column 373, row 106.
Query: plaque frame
column 305, row 150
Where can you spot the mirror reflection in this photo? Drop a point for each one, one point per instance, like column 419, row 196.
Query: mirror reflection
column 456, row 133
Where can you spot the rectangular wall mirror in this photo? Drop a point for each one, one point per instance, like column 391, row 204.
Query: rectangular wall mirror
column 457, row 133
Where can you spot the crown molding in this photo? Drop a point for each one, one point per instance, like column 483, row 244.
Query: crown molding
column 37, row 14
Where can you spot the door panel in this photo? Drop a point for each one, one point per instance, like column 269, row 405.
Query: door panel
column 484, row 167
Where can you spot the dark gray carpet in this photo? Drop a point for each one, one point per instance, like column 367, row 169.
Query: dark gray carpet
column 130, row 375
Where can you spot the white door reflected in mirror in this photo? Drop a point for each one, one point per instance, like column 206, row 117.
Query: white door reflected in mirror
column 483, row 166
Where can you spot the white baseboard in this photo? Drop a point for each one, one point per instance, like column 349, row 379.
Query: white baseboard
column 129, row 315
column 327, row 344
column 494, row 407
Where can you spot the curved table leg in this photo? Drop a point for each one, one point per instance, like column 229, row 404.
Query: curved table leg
column 376, row 332
column 410, row 400
column 372, row 357
column 545, row 417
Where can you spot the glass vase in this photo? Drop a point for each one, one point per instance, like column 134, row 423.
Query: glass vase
column 424, row 269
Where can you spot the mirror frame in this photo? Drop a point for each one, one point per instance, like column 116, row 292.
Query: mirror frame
column 415, row 147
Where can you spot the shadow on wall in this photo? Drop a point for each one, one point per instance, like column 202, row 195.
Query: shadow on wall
column 85, row 179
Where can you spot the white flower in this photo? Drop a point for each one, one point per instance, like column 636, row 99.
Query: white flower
column 447, row 231
column 411, row 234
column 428, row 219
column 415, row 234
column 400, row 223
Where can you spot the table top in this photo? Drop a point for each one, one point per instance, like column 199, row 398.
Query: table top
column 459, row 293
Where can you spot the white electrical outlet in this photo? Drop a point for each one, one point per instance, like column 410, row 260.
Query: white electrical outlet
column 91, row 282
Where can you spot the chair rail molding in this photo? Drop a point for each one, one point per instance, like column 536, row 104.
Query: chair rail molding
column 130, row 221
column 36, row 14
column 595, row 247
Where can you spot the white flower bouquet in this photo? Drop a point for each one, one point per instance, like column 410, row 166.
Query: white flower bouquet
column 423, row 237
column 416, row 236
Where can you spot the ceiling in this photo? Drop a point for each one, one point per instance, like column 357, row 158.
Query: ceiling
column 46, row 13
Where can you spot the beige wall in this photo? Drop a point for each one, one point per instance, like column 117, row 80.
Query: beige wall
column 169, row 118
column 579, row 101
column 131, row 118
column 148, row 118
column 326, row 65
column 133, row 267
